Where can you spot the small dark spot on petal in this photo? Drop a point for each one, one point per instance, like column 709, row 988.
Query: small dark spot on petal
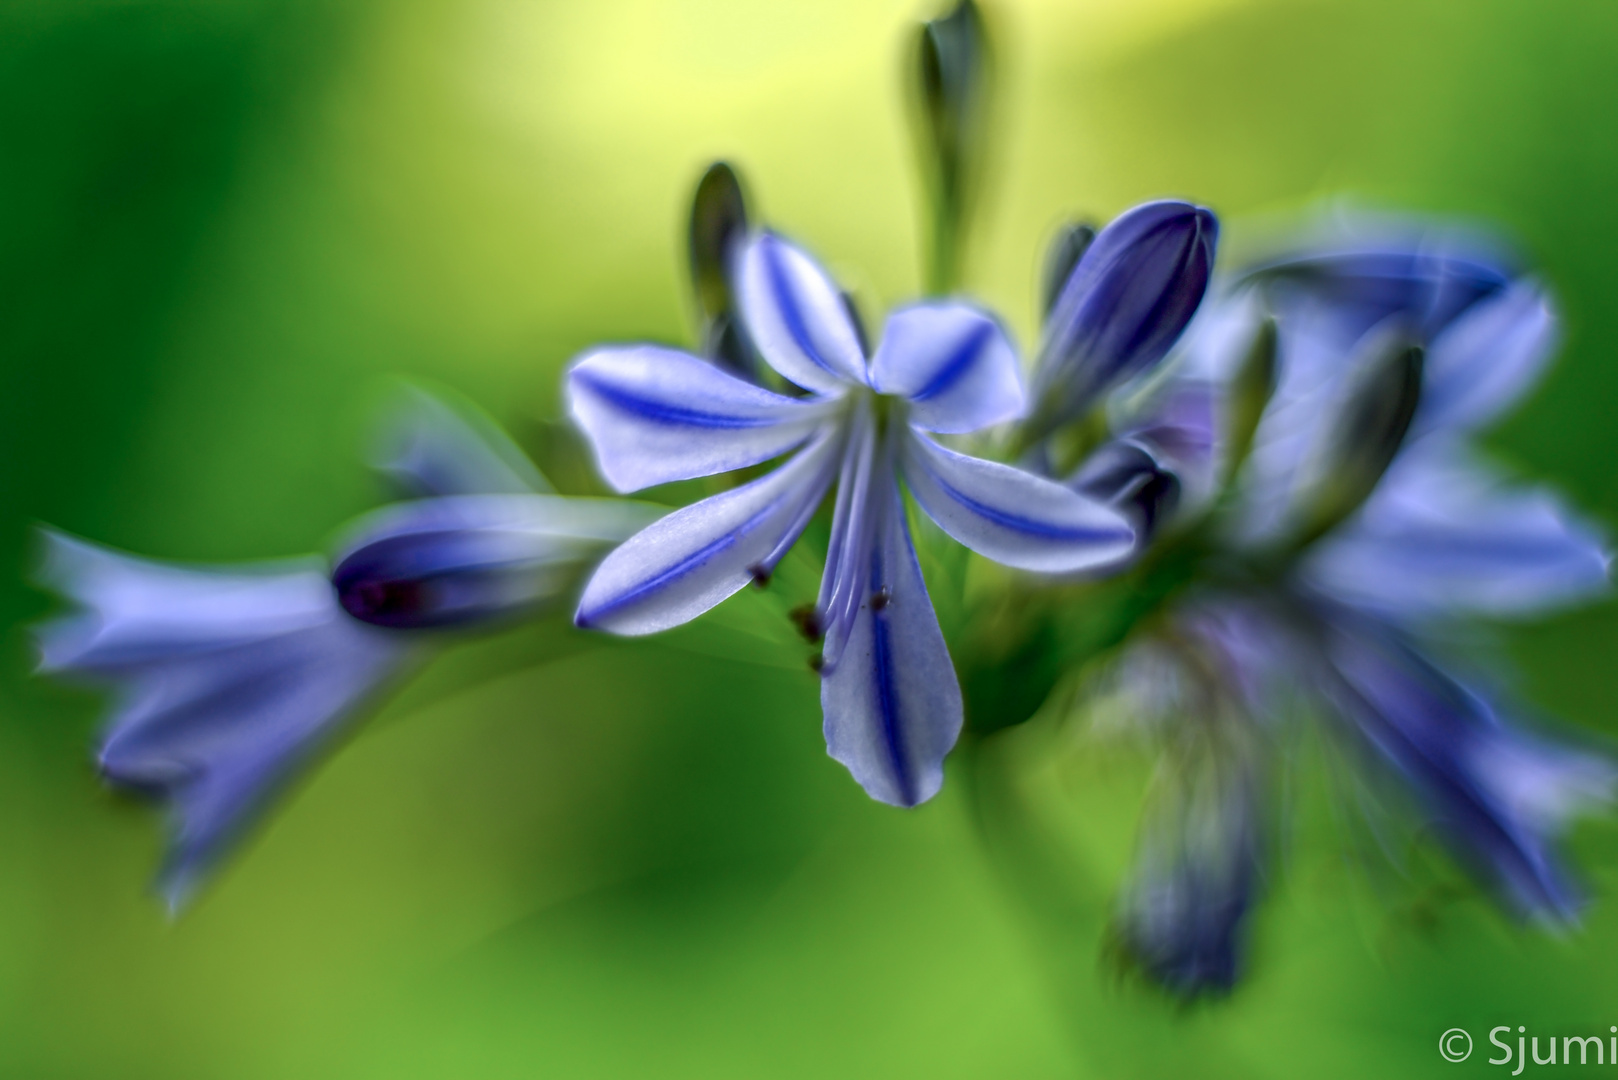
column 761, row 575
column 880, row 598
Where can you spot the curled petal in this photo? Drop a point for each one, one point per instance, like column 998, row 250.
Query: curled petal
column 955, row 365
column 892, row 703
column 1011, row 516
column 433, row 444
column 1443, row 535
column 1125, row 304
column 677, row 568
column 656, row 415
column 1498, row 795
column 796, row 316
column 228, row 683
column 1487, row 358
column 475, row 558
column 1124, row 475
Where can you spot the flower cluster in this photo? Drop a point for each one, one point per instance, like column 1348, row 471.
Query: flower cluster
column 1227, row 505
column 1345, row 526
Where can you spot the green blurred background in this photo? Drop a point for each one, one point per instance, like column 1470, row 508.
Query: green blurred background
column 223, row 224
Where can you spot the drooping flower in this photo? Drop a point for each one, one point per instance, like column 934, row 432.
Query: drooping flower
column 230, row 681
column 889, row 693
column 1346, row 533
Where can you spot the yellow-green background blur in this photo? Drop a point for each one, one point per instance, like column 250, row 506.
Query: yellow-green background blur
column 223, row 224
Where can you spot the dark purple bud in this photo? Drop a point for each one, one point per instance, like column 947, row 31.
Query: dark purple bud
column 1123, row 307
column 474, row 559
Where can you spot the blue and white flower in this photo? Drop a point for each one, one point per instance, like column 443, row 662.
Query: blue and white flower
column 889, row 692
column 1344, row 621
column 230, row 681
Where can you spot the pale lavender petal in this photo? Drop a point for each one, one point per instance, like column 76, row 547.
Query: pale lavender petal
column 1444, row 535
column 955, row 365
column 892, row 703
column 1487, row 359
column 853, row 532
column 475, row 559
column 656, row 415
column 436, row 444
column 227, row 682
column 684, row 564
column 1011, row 516
column 796, row 318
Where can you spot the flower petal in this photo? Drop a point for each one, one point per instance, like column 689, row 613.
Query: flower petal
column 1197, row 872
column 1444, row 535
column 955, row 365
column 228, row 684
column 475, row 558
column 796, row 318
column 656, row 415
column 1498, row 795
column 892, row 702
column 1487, row 359
column 434, row 444
column 684, row 564
column 1011, row 516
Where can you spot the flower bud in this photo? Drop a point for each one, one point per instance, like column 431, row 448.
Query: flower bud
column 952, row 68
column 1067, row 248
column 1123, row 307
column 1250, row 389
column 474, row 559
column 718, row 224
column 1361, row 443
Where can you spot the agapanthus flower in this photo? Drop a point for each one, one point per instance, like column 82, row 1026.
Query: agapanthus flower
column 889, row 693
column 230, row 681
column 1338, row 541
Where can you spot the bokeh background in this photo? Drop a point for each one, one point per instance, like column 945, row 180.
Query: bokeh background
column 224, row 224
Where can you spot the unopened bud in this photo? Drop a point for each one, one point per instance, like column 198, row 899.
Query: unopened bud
column 1367, row 434
column 1067, row 248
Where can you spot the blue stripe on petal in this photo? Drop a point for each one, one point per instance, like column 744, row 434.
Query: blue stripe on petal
column 892, row 703
column 687, row 562
column 1011, row 516
column 795, row 315
column 953, row 362
column 656, row 415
